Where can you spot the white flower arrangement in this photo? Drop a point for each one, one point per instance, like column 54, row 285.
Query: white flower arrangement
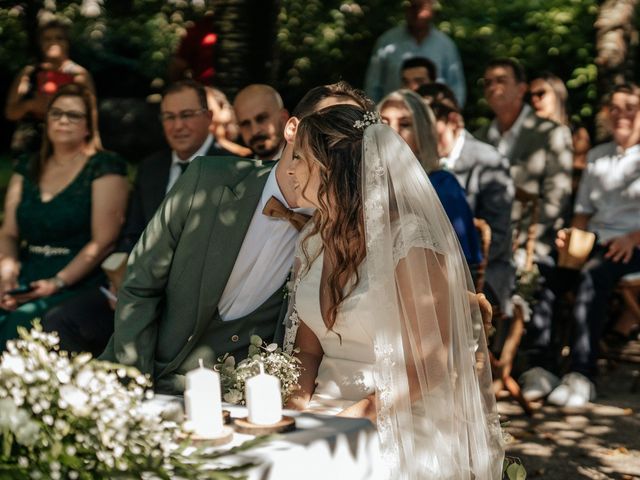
column 73, row 418
column 276, row 362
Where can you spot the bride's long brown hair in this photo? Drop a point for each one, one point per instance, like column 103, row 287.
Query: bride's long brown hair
column 329, row 140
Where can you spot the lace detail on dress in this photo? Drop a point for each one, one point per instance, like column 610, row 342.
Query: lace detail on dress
column 389, row 450
column 413, row 233
column 292, row 320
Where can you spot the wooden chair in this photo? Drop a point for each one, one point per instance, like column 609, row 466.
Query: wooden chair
column 502, row 367
column 484, row 232
column 629, row 289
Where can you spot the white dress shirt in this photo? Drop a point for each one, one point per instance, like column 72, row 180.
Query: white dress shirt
column 610, row 191
column 264, row 260
column 175, row 171
column 504, row 142
column 449, row 162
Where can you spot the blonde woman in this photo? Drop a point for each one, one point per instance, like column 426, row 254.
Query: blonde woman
column 407, row 113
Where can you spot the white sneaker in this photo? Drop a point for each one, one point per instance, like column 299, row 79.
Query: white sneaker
column 537, row 383
column 576, row 390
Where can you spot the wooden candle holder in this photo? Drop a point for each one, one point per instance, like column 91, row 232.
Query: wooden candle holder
column 243, row 425
column 225, row 437
column 226, row 417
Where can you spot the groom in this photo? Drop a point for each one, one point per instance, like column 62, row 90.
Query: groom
column 210, row 269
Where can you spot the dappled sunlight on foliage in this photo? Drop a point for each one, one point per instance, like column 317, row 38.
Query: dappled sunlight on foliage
column 322, row 42
column 553, row 35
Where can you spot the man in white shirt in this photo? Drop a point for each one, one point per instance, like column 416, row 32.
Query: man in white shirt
column 539, row 151
column 209, row 270
column 607, row 204
column 261, row 117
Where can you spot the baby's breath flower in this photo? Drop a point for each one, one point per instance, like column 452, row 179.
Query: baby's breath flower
column 87, row 405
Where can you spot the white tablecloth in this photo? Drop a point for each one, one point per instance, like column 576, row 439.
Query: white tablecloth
column 321, row 447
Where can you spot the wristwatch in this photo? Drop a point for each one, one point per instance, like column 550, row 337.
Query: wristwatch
column 58, row 282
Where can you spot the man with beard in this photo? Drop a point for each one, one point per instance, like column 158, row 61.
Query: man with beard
column 261, row 117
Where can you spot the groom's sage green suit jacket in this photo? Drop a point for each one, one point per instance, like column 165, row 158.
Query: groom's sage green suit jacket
column 167, row 314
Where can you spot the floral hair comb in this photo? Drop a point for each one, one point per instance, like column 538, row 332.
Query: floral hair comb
column 369, row 118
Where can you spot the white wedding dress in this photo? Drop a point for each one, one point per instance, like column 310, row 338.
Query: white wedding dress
column 346, row 372
column 409, row 332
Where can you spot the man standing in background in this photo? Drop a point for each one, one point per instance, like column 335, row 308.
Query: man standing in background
column 417, row 38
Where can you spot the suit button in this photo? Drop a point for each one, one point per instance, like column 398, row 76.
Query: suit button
column 235, row 338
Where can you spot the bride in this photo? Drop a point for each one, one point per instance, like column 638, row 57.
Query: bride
column 381, row 311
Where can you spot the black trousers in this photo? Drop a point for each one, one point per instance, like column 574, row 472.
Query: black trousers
column 593, row 285
column 84, row 322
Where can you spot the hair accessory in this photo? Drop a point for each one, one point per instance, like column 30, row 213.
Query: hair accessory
column 369, row 118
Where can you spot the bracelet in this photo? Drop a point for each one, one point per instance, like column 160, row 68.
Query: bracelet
column 58, row 282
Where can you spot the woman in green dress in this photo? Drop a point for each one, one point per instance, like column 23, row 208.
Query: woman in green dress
column 63, row 213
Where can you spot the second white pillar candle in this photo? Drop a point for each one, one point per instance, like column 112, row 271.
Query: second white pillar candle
column 264, row 402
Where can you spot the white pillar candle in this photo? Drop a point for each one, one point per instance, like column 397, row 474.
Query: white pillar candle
column 262, row 393
column 202, row 401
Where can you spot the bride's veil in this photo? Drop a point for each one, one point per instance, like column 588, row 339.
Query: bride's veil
column 436, row 409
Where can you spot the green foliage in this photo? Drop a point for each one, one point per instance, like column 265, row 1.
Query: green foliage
column 326, row 41
column 323, row 41
column 512, row 469
column 552, row 35
column 13, row 39
column 134, row 38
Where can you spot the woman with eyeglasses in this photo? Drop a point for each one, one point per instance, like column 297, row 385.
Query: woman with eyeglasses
column 33, row 87
column 549, row 99
column 63, row 212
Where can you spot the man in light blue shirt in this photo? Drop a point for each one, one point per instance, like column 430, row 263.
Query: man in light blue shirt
column 417, row 38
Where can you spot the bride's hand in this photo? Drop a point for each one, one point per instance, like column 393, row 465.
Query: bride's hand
column 297, row 403
column 365, row 408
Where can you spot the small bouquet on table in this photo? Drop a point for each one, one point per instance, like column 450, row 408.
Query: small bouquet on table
column 71, row 417
column 263, row 382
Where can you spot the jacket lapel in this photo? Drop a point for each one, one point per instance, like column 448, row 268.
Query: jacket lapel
column 233, row 217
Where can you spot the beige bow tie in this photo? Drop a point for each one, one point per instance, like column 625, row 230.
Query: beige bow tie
column 274, row 208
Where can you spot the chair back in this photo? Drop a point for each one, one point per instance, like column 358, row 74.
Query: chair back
column 528, row 208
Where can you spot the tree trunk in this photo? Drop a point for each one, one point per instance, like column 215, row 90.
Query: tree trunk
column 246, row 32
column 616, row 45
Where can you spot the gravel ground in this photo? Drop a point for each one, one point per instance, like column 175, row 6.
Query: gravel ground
column 601, row 441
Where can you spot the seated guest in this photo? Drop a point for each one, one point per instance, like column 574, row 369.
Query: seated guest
column 85, row 323
column 549, row 100
column 63, row 213
column 539, row 150
column 412, row 119
column 224, row 126
column 261, row 117
column 417, row 71
column 33, row 87
column 484, row 175
column 607, row 204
